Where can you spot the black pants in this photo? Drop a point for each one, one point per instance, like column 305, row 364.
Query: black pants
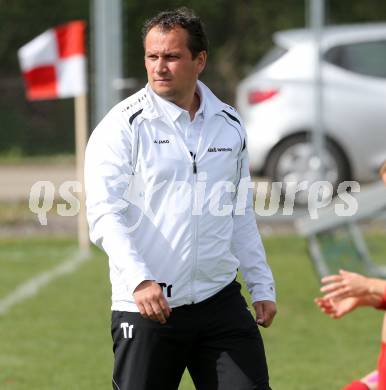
column 217, row 340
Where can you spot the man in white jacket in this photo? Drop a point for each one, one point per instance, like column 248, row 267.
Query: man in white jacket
column 168, row 200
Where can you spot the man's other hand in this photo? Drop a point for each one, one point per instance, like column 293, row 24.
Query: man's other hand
column 151, row 301
column 265, row 312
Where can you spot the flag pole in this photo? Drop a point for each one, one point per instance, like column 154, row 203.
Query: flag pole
column 81, row 136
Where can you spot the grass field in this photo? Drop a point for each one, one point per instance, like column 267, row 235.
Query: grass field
column 59, row 338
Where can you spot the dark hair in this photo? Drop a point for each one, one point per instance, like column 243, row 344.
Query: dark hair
column 185, row 18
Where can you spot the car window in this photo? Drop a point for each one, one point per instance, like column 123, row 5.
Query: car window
column 367, row 58
column 272, row 55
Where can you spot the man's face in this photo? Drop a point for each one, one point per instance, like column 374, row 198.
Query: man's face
column 171, row 71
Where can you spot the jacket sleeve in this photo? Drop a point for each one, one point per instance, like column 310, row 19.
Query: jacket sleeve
column 246, row 244
column 108, row 175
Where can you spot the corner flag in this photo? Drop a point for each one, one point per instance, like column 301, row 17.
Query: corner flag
column 54, row 66
column 54, row 63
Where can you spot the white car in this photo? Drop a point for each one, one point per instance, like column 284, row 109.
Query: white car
column 277, row 106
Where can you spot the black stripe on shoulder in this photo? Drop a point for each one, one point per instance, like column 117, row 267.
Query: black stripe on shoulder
column 231, row 117
column 131, row 119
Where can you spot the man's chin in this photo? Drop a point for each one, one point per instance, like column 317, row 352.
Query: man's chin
column 165, row 93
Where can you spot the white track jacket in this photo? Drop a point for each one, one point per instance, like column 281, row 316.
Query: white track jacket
column 162, row 214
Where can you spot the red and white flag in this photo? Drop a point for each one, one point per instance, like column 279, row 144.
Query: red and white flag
column 54, row 63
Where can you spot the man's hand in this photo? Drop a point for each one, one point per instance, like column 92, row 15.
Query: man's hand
column 265, row 311
column 151, row 301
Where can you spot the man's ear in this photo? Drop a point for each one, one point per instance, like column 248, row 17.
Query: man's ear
column 201, row 60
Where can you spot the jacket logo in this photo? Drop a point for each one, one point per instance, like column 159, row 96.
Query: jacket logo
column 219, row 149
column 161, row 141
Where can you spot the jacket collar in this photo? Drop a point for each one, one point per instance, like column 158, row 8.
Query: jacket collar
column 213, row 105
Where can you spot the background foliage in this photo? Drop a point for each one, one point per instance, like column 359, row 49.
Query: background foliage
column 239, row 33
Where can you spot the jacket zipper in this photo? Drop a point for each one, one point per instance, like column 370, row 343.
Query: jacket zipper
column 194, row 165
column 195, row 227
column 192, row 158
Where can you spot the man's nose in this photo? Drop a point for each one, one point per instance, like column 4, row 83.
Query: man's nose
column 161, row 66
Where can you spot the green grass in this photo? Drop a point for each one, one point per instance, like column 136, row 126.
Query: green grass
column 19, row 260
column 306, row 350
column 60, row 338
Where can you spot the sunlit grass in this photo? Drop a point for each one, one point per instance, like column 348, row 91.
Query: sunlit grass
column 60, row 339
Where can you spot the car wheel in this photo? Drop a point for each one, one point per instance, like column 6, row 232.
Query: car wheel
column 294, row 161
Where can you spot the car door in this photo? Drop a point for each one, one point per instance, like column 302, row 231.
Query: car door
column 355, row 102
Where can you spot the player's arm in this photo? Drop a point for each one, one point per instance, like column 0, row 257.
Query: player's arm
column 247, row 246
column 350, row 284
